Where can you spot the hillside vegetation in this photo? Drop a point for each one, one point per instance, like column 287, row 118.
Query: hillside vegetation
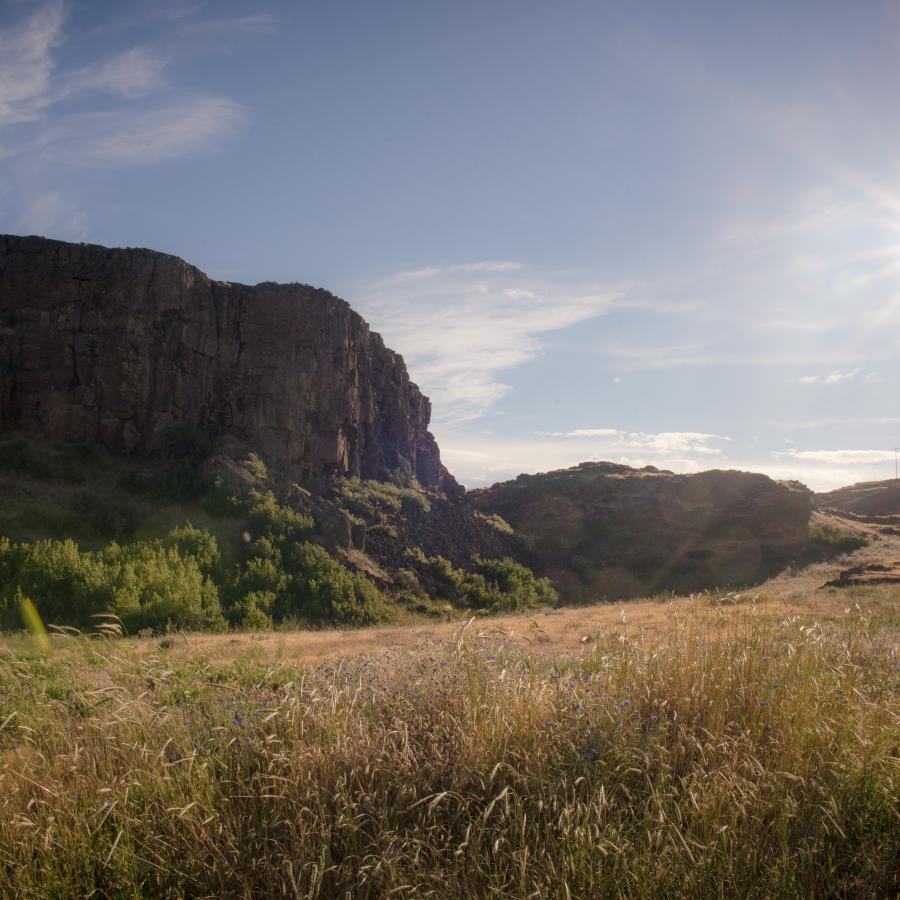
column 87, row 536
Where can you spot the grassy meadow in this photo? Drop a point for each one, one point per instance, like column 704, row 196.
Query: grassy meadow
column 738, row 747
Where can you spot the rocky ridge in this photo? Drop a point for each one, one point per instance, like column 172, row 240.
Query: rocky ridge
column 134, row 350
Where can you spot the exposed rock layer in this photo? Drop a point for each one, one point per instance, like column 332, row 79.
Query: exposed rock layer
column 127, row 348
column 602, row 530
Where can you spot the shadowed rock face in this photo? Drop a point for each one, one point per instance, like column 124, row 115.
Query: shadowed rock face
column 602, row 530
column 126, row 347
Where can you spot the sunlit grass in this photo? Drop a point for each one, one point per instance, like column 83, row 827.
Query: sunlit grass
column 739, row 755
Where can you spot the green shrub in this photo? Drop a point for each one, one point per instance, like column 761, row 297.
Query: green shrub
column 827, row 541
column 67, row 586
column 149, row 584
column 496, row 522
column 256, row 467
column 253, row 611
column 503, row 585
column 374, row 500
column 153, row 586
column 324, row 589
column 197, row 543
column 270, row 518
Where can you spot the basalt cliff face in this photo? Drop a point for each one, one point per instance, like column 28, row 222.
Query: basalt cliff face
column 602, row 530
column 124, row 348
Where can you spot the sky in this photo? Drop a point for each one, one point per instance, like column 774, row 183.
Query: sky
column 649, row 232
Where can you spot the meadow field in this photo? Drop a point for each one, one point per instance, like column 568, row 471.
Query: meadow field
column 718, row 745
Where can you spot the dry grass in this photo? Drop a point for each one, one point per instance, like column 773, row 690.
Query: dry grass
column 739, row 748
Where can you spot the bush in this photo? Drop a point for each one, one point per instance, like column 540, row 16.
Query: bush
column 825, row 541
column 268, row 517
column 503, row 585
column 496, row 522
column 324, row 589
column 253, row 611
column 496, row 585
column 149, row 584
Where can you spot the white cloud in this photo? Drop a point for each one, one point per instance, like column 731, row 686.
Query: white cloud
column 836, row 376
column 134, row 73
column 26, row 64
column 143, row 136
column 463, row 325
column 666, row 442
column 841, row 457
column 32, row 90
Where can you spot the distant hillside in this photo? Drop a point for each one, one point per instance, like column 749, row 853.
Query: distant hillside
column 602, row 530
column 868, row 498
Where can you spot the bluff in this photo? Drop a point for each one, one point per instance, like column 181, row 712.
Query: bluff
column 602, row 530
column 128, row 347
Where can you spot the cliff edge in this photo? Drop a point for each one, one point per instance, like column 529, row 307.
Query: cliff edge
column 128, row 347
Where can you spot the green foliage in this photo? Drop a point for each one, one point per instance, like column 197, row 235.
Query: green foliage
column 196, row 543
column 324, row 589
column 495, row 585
column 256, row 467
column 148, row 584
column 270, row 518
column 253, row 611
column 497, row 522
column 219, row 500
column 503, row 585
column 827, row 541
column 375, row 500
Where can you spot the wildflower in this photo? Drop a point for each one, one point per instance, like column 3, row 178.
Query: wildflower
column 590, row 754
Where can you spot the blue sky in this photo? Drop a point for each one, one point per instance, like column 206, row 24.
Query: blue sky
column 653, row 232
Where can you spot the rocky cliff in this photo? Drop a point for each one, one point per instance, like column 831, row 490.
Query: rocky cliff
column 127, row 348
column 602, row 530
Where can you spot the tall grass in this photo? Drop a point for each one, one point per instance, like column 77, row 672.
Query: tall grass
column 738, row 756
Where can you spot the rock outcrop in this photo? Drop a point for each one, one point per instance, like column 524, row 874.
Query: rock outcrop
column 128, row 348
column 602, row 530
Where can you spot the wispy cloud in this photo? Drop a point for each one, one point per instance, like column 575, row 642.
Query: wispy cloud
column 462, row 326
column 26, row 64
column 133, row 73
column 170, row 131
column 842, row 457
column 614, row 440
column 836, row 376
column 120, row 109
column 34, row 91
